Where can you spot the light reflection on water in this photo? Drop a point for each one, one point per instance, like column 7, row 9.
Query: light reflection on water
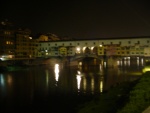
column 46, row 81
column 86, row 78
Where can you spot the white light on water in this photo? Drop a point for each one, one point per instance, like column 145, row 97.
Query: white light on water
column 104, row 64
column 78, row 81
column 78, row 77
column 56, row 70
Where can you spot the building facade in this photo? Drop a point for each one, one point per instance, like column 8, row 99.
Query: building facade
column 16, row 43
column 109, row 47
column 25, row 46
column 7, row 39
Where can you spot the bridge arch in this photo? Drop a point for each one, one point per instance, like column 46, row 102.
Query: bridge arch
column 86, row 50
column 94, row 50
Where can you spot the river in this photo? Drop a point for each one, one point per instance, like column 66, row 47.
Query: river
column 59, row 88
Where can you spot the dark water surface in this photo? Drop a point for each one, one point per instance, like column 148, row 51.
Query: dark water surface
column 50, row 89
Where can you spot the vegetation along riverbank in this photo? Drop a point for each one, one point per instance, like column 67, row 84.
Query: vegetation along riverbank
column 128, row 97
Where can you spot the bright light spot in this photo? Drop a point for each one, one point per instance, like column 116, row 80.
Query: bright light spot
column 92, row 48
column 100, row 45
column 84, row 48
column 79, row 72
column 104, row 64
column 30, row 37
column 146, row 69
column 56, row 72
column 80, row 63
column 6, row 57
column 78, row 81
column 78, row 77
column 78, row 49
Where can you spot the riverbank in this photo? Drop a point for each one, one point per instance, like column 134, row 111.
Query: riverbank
column 128, row 97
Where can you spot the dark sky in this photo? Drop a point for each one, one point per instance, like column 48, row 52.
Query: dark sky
column 78, row 19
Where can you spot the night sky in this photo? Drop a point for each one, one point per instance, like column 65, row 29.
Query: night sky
column 78, row 19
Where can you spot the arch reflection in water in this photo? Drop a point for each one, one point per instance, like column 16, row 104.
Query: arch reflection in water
column 56, row 70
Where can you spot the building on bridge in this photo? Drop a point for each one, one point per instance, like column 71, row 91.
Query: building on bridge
column 118, row 47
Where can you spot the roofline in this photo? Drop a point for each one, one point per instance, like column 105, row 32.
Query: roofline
column 115, row 38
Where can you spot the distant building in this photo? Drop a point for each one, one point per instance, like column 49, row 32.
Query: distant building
column 15, row 42
column 48, row 37
column 7, row 39
column 19, row 43
column 25, row 45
